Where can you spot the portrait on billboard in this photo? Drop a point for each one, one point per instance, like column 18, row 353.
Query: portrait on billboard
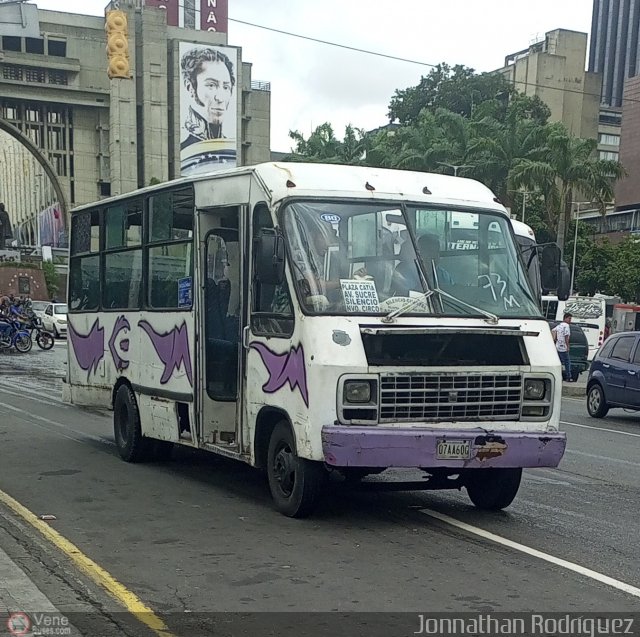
column 208, row 108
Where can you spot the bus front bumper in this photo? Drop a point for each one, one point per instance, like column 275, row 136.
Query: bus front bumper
column 431, row 448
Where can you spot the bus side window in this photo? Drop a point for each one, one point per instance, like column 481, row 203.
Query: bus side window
column 271, row 312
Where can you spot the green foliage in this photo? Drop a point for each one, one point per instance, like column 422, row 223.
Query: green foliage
column 50, row 278
column 20, row 264
column 593, row 267
column 323, row 146
column 623, row 270
column 154, row 181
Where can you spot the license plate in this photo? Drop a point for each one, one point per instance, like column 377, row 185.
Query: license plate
column 453, row 449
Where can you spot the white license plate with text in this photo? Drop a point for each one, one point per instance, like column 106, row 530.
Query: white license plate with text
column 453, row 449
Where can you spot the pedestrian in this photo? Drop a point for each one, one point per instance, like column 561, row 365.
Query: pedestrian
column 562, row 335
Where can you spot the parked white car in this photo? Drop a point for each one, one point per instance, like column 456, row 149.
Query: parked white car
column 39, row 307
column 55, row 319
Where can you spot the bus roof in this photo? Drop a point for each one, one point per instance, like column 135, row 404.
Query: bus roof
column 284, row 179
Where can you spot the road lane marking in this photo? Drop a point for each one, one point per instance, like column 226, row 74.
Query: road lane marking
column 95, row 572
column 595, row 456
column 571, row 566
column 613, row 431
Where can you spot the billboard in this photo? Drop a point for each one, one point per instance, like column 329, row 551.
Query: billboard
column 205, row 15
column 208, row 108
column 51, row 227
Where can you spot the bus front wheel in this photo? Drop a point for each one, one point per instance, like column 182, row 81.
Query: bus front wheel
column 493, row 489
column 296, row 484
column 132, row 446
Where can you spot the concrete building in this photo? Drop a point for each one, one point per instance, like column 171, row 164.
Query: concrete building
column 554, row 70
column 615, row 46
column 107, row 136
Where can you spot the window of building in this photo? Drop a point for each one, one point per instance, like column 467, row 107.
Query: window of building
column 34, row 45
column 104, row 188
column 609, row 140
column 123, row 225
column 11, row 43
column 57, row 48
column 122, row 280
column 34, row 75
column 58, row 78
column 12, row 72
column 10, row 111
column 607, row 154
column 611, row 119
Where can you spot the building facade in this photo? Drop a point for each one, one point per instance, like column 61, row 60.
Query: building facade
column 554, row 70
column 107, row 136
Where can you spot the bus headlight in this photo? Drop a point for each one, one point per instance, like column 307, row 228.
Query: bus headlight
column 357, row 391
column 534, row 389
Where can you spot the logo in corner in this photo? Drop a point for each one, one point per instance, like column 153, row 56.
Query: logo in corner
column 283, row 369
column 19, row 624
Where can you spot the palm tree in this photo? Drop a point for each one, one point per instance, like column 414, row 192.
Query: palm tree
column 565, row 166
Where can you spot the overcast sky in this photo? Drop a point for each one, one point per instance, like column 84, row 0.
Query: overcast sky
column 312, row 83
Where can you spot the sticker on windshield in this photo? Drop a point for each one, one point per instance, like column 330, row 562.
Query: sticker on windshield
column 330, row 218
column 359, row 295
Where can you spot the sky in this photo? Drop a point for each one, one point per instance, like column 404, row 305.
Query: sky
column 313, row 83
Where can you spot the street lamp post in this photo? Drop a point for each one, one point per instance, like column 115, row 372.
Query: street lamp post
column 575, row 245
column 455, row 168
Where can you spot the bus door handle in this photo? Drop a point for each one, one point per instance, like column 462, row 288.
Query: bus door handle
column 630, row 371
column 245, row 337
column 605, row 365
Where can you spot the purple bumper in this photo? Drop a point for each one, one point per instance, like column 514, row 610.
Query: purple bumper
column 404, row 447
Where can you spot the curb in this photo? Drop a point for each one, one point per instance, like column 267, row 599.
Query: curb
column 575, row 391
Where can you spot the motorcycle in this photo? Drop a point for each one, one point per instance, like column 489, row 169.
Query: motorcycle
column 45, row 340
column 12, row 334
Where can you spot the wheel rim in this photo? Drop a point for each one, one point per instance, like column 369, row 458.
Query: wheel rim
column 284, row 469
column 45, row 340
column 594, row 400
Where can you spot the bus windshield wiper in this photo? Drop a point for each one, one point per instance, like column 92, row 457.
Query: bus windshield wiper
column 492, row 318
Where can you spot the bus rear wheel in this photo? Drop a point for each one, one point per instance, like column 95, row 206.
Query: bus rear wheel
column 296, row 484
column 132, row 446
column 493, row 489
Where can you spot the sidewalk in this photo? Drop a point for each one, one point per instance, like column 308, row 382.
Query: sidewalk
column 578, row 389
column 24, row 609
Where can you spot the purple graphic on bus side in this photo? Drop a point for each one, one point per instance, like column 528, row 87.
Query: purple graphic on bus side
column 172, row 348
column 121, row 324
column 89, row 348
column 283, row 369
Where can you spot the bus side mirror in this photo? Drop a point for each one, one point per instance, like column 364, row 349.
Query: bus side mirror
column 550, row 267
column 270, row 257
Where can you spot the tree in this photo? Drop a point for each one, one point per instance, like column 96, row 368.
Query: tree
column 323, row 146
column 50, row 278
column 593, row 272
column 458, row 89
column 564, row 167
column 623, row 270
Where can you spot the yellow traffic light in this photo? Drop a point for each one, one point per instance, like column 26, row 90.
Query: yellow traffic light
column 117, row 45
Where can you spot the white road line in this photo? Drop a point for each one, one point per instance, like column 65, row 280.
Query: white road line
column 570, row 566
column 613, row 431
column 605, row 458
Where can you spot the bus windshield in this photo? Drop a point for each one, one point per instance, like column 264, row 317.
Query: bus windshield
column 364, row 258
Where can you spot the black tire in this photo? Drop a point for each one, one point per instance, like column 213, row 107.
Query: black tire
column 23, row 344
column 493, row 489
column 132, row 446
column 45, row 340
column 56, row 333
column 296, row 484
column 596, row 403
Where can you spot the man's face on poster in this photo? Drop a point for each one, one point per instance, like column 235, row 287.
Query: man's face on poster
column 213, row 91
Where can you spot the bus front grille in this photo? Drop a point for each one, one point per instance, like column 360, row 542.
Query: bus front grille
column 450, row 396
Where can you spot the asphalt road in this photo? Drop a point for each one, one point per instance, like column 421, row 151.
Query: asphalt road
column 198, row 535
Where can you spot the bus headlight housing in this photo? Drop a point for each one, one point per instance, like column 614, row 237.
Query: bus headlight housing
column 534, row 388
column 357, row 391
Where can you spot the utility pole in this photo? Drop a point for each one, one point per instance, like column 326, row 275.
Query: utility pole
column 575, row 245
